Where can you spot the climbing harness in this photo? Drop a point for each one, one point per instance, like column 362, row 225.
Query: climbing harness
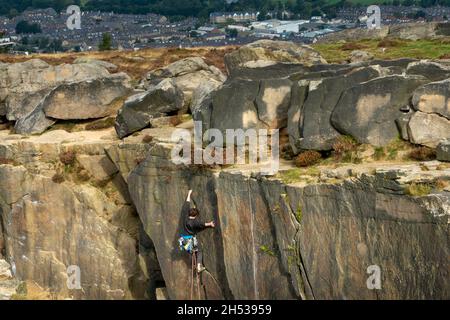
column 190, row 245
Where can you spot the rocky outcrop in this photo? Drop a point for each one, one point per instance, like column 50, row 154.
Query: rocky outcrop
column 264, row 53
column 311, row 241
column 432, row 70
column 111, row 208
column 428, row 129
column 443, row 150
column 86, row 99
column 273, row 102
column 308, row 239
column 107, row 65
column 174, row 89
column 368, row 110
column 373, row 101
column 201, row 106
column 30, row 89
column 137, row 111
column 57, row 215
column 360, row 56
column 187, row 74
column 236, row 98
column 323, row 95
column 8, row 285
column 433, row 98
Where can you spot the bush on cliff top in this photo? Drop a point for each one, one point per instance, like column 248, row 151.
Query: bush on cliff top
column 67, row 157
column 308, row 158
column 422, row 154
column 418, row 189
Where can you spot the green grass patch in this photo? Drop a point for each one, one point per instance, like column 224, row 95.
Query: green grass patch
column 418, row 189
column 418, row 49
column 266, row 250
column 298, row 174
column 299, row 214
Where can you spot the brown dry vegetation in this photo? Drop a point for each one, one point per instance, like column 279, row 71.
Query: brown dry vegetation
column 67, row 157
column 307, row 158
column 388, row 43
column 352, row 46
column 422, row 154
column 134, row 63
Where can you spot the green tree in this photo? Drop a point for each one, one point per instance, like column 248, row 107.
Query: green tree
column 106, row 42
column 13, row 13
column 26, row 27
column 231, row 33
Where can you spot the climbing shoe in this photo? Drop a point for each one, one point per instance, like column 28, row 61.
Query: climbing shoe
column 200, row 268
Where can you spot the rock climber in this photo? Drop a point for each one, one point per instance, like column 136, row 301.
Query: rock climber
column 191, row 226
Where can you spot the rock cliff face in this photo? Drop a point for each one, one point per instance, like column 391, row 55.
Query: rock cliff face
column 311, row 241
column 57, row 215
column 109, row 201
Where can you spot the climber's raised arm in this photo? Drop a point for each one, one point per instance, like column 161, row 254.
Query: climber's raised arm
column 188, row 199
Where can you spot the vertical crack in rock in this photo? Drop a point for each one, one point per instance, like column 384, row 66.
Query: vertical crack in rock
column 2, row 236
column 307, row 291
column 303, row 271
column 255, row 255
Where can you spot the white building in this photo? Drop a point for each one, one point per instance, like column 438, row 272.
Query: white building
column 278, row 26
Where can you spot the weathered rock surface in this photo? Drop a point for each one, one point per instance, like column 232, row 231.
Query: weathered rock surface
column 50, row 226
column 360, row 56
column 201, row 106
column 323, row 95
column 428, row 129
column 105, row 64
column 432, row 70
column 267, row 52
column 433, row 98
column 318, row 239
column 137, row 111
column 187, row 74
column 115, row 210
column 34, row 122
column 272, row 241
column 443, row 151
column 236, row 99
column 273, row 102
column 368, row 110
column 24, row 87
column 86, row 99
column 8, row 285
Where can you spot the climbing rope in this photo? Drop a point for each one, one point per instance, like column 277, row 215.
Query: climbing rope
column 194, row 274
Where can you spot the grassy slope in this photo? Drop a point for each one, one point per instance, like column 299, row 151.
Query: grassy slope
column 421, row 49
